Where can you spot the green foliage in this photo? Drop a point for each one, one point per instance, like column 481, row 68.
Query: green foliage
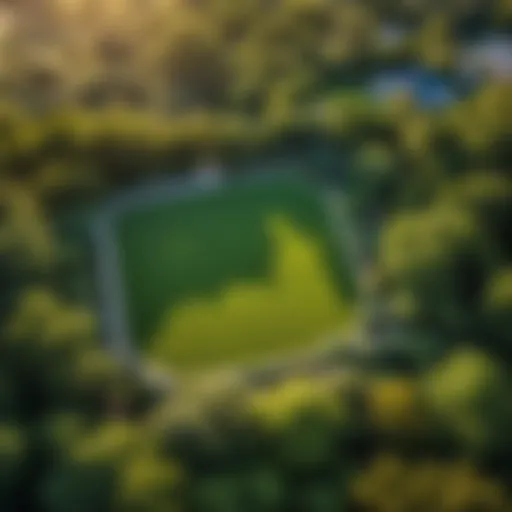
column 112, row 467
column 393, row 484
column 277, row 408
column 24, row 234
column 216, row 493
column 468, row 391
column 435, row 44
column 58, row 432
column 424, row 255
column 12, row 460
column 59, row 326
column 306, row 421
column 148, row 482
column 419, row 245
column 393, row 405
column 166, row 86
column 262, row 489
column 498, row 303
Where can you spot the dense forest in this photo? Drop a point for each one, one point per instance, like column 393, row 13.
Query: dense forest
column 100, row 95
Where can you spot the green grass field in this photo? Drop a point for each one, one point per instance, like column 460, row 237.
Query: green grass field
column 234, row 276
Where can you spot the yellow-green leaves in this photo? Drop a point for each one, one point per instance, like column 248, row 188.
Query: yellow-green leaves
column 468, row 392
column 393, row 484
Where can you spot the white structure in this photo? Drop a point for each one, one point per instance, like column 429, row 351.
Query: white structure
column 489, row 57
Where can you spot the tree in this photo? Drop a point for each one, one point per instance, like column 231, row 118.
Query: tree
column 467, row 390
column 12, row 462
column 392, row 483
column 498, row 307
column 435, row 258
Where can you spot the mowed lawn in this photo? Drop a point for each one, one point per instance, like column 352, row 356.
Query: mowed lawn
column 233, row 276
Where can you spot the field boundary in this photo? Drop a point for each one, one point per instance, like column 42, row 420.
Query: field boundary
column 117, row 335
